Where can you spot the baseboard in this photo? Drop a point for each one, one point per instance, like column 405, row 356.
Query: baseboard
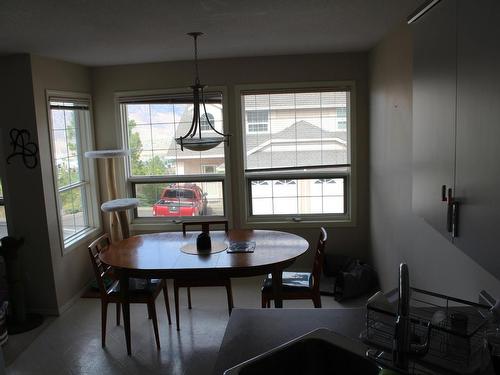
column 73, row 299
column 53, row 312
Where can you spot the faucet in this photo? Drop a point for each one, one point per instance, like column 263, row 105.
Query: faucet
column 402, row 347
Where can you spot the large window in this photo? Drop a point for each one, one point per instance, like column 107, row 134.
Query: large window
column 170, row 182
column 71, row 134
column 297, row 167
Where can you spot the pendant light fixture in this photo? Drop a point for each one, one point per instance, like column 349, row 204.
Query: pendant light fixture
column 193, row 139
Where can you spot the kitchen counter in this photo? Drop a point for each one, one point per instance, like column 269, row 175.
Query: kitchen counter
column 251, row 332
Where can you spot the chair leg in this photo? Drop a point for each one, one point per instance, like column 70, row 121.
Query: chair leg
column 229, row 297
column 317, row 301
column 167, row 303
column 104, row 317
column 264, row 301
column 176, row 300
column 118, row 313
column 189, row 298
column 154, row 318
column 149, row 311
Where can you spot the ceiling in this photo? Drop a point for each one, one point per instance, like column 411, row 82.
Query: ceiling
column 109, row 32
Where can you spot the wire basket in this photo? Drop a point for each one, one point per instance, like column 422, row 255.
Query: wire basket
column 457, row 329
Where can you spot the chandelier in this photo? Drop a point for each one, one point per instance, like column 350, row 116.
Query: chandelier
column 193, row 140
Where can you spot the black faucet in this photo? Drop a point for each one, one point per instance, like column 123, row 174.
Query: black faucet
column 402, row 347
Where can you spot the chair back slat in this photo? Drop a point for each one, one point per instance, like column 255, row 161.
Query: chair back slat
column 205, row 225
column 100, row 269
column 319, row 257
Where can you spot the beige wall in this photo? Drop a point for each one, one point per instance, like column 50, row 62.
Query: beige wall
column 23, row 187
column 396, row 233
column 72, row 271
column 230, row 72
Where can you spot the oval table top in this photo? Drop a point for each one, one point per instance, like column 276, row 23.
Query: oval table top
column 161, row 251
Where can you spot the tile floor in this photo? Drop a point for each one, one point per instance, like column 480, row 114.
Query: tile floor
column 71, row 344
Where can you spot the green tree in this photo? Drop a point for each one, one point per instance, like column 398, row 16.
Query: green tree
column 149, row 193
column 71, row 200
column 135, row 147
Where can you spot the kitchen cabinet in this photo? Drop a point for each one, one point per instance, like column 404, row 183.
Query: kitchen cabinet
column 478, row 131
column 434, row 97
column 456, row 123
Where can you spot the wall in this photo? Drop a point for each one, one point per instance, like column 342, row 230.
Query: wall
column 72, row 271
column 396, row 233
column 23, row 187
column 230, row 72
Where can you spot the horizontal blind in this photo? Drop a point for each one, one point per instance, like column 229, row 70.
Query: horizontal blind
column 179, row 98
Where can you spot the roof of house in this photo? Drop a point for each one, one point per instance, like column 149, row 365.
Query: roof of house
column 302, row 135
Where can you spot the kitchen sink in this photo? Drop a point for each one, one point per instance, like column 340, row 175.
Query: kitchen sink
column 318, row 352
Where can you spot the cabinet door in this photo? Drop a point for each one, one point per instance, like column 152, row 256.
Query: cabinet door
column 434, row 117
column 478, row 131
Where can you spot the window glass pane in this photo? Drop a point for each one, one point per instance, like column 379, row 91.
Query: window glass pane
column 73, row 218
column 67, row 157
column 180, row 199
column 152, row 129
column 296, row 129
column 297, row 196
column 3, row 220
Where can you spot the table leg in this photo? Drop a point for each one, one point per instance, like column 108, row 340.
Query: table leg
column 124, row 291
column 277, row 284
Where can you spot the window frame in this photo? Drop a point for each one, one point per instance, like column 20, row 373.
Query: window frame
column 349, row 176
column 166, row 223
column 89, row 179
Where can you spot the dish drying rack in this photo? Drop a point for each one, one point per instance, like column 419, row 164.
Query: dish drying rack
column 457, row 348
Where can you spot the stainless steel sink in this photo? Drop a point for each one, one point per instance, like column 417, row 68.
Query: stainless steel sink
column 319, row 352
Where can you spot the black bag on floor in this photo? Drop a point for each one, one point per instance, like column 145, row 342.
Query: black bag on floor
column 356, row 279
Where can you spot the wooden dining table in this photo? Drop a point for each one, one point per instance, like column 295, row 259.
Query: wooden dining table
column 159, row 256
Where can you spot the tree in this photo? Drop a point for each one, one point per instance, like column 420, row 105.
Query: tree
column 135, row 146
column 147, row 193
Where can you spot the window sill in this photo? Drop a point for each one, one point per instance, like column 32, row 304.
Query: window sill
column 260, row 223
column 139, row 225
column 79, row 240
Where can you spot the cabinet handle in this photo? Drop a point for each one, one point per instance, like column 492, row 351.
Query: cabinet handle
column 454, row 220
column 449, row 212
column 443, row 193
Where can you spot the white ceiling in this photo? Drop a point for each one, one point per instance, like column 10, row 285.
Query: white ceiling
column 107, row 32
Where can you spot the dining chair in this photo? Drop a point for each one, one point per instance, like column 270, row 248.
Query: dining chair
column 141, row 290
column 202, row 282
column 299, row 285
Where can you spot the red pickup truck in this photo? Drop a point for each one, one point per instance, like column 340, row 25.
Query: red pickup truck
column 181, row 200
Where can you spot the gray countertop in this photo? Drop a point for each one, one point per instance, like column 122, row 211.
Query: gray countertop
column 253, row 331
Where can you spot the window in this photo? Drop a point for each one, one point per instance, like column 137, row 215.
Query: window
column 3, row 220
column 207, row 169
column 71, row 135
column 170, row 182
column 341, row 112
column 257, row 121
column 299, row 169
column 204, row 125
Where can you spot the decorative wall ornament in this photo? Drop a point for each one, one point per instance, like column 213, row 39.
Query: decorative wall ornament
column 21, row 146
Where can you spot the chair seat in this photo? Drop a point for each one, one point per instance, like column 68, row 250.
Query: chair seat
column 291, row 281
column 138, row 287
